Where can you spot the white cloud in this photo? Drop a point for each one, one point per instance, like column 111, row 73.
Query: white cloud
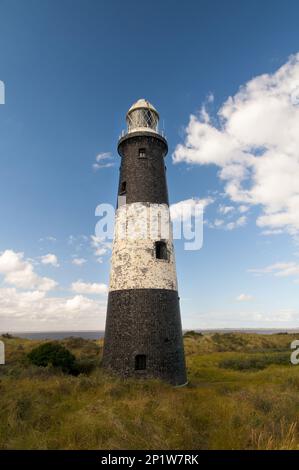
column 240, row 222
column 228, row 213
column 79, row 243
column 181, row 210
column 222, row 209
column 103, row 156
column 30, row 308
column 78, row 303
column 218, row 223
column 100, row 247
column 244, row 298
column 51, row 259
column 19, row 272
column 11, row 261
column 34, row 311
column 77, row 240
column 48, row 238
column 81, row 287
column 282, row 269
column 79, row 261
column 99, row 166
column 272, row 232
column 83, row 243
column 243, row 208
column 255, row 145
column 101, row 161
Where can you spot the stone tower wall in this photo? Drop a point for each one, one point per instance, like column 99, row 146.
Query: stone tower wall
column 143, row 314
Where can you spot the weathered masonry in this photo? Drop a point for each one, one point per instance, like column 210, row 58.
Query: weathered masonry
column 143, row 336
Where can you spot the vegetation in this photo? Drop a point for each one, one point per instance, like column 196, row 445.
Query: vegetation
column 192, row 333
column 255, row 361
column 53, row 354
column 243, row 393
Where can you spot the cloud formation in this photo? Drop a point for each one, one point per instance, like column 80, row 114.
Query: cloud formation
column 101, row 161
column 19, row 272
column 32, row 310
column 240, row 222
column 51, row 259
column 181, row 210
column 100, row 247
column 282, row 269
column 79, row 261
column 81, row 287
column 48, row 239
column 244, row 298
column 26, row 304
column 255, row 145
column 224, row 210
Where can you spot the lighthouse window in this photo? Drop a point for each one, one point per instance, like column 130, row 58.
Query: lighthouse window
column 140, row 362
column 161, row 250
column 123, row 187
column 142, row 153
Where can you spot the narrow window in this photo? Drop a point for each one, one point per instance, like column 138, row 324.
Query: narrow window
column 161, row 250
column 142, row 153
column 123, row 187
column 140, row 362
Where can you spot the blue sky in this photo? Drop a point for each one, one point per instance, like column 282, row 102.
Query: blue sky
column 71, row 71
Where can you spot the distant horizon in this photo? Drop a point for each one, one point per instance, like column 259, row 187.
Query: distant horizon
column 184, row 329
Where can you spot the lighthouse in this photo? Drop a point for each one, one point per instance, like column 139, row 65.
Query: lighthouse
column 143, row 333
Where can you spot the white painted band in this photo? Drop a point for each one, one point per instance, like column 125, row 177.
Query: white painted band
column 134, row 264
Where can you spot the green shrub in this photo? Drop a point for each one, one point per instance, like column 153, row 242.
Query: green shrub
column 75, row 342
column 255, row 362
column 86, row 366
column 53, row 354
column 192, row 333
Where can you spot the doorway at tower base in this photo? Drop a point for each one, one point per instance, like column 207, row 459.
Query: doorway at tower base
column 143, row 336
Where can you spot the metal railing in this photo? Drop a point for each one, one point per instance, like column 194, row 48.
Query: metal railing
column 125, row 132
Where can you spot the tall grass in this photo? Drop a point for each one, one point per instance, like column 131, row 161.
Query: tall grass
column 221, row 408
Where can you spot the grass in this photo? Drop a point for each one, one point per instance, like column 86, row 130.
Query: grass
column 243, row 394
column 255, row 361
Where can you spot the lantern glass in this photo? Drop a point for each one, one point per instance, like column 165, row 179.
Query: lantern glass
column 142, row 118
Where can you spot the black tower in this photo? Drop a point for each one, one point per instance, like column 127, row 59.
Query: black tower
column 143, row 335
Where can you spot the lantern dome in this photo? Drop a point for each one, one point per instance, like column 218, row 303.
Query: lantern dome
column 142, row 116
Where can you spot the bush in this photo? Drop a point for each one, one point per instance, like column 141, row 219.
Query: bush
column 75, row 342
column 53, row 354
column 86, row 366
column 192, row 333
column 255, row 362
